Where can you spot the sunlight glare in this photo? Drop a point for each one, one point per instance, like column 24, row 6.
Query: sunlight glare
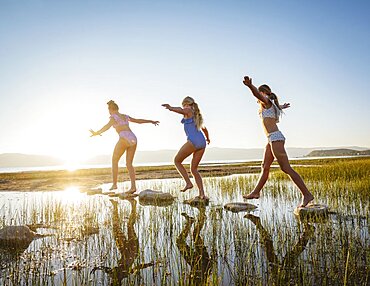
column 71, row 195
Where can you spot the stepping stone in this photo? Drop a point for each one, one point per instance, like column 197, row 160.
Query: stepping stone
column 150, row 197
column 195, row 202
column 239, row 207
column 94, row 192
column 125, row 196
column 108, row 193
column 114, row 194
column 17, row 236
column 312, row 210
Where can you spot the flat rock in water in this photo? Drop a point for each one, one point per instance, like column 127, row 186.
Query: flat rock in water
column 114, row 194
column 16, row 236
column 94, row 192
column 109, row 193
column 312, row 210
column 239, row 207
column 126, row 196
column 195, row 202
column 150, row 197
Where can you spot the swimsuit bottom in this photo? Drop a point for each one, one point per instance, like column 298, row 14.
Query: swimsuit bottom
column 275, row 136
column 199, row 142
column 129, row 136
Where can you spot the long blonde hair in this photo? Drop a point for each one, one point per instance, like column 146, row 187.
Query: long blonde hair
column 198, row 118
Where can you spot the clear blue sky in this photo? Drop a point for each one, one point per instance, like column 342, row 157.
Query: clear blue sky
column 61, row 61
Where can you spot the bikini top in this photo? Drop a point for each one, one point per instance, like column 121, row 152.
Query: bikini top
column 272, row 112
column 119, row 120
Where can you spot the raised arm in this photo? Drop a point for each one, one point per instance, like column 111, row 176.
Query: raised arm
column 140, row 121
column 205, row 131
column 183, row 111
column 248, row 82
column 103, row 129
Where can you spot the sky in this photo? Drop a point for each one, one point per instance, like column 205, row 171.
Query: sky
column 61, row 61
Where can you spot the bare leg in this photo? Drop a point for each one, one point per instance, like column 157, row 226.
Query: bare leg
column 197, row 156
column 282, row 158
column 119, row 149
column 185, row 151
column 268, row 158
column 130, row 153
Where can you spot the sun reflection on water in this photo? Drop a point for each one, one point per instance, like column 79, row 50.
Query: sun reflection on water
column 71, row 195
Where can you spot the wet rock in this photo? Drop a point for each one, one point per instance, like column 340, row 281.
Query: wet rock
column 94, row 192
column 312, row 211
column 114, row 195
column 239, row 207
column 126, row 196
column 150, row 197
column 17, row 236
column 197, row 202
column 109, row 193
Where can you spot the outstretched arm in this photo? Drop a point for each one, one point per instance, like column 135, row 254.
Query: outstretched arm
column 103, row 129
column 183, row 111
column 285, row 105
column 140, row 121
column 248, row 82
column 205, row 131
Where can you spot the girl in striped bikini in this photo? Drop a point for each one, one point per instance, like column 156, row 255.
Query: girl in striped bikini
column 127, row 142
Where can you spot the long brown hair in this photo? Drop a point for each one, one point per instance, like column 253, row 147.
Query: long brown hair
column 198, row 118
column 272, row 96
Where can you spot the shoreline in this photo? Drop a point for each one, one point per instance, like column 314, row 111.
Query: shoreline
column 57, row 180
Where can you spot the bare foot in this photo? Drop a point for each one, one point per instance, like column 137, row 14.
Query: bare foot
column 251, row 196
column 204, row 198
column 113, row 187
column 187, row 187
column 131, row 191
column 306, row 200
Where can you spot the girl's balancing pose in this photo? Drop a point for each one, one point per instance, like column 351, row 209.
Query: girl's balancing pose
column 127, row 142
column 270, row 111
column 196, row 144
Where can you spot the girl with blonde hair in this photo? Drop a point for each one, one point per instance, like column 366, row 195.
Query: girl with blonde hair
column 270, row 111
column 196, row 142
column 127, row 142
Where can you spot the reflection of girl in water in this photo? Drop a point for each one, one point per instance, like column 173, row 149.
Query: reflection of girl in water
column 290, row 259
column 198, row 258
column 128, row 246
column 127, row 142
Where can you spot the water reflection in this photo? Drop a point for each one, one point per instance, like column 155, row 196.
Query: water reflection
column 290, row 259
column 127, row 245
column 198, row 257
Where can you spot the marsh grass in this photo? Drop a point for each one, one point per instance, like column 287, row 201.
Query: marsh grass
column 182, row 245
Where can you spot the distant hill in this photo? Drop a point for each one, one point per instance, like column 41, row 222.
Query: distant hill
column 10, row 160
column 338, row 152
column 26, row 160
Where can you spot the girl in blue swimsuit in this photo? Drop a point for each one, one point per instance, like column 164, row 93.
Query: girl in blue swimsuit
column 127, row 142
column 196, row 142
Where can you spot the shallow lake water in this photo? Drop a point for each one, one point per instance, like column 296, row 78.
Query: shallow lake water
column 100, row 240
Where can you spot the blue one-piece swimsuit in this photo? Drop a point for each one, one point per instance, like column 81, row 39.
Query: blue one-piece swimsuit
column 194, row 135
